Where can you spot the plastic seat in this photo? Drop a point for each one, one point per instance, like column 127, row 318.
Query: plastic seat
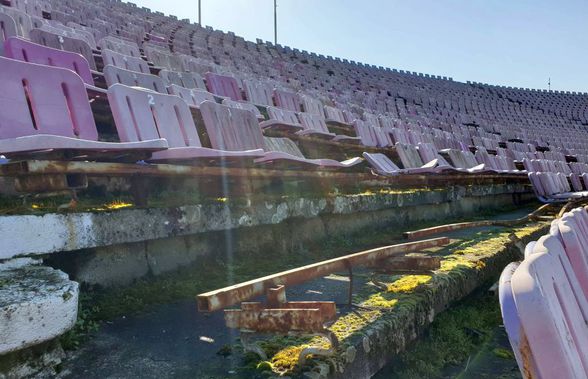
column 46, row 108
column 193, row 97
column 142, row 114
column 60, row 42
column 26, row 51
column 238, row 129
column 223, row 85
column 114, row 75
column 127, row 62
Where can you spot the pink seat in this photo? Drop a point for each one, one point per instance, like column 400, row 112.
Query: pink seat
column 7, row 29
column 56, row 41
column 234, row 129
column 115, row 75
column 47, row 108
column 315, row 126
column 282, row 120
column 287, row 100
column 183, row 79
column 193, row 97
column 26, row 51
column 126, row 62
column 142, row 114
column 383, row 165
column 552, row 311
column 223, row 85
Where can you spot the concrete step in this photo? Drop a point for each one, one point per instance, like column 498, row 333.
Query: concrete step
column 37, row 304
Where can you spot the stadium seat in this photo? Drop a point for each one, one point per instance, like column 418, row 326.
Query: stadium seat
column 46, row 108
column 142, row 114
column 114, row 75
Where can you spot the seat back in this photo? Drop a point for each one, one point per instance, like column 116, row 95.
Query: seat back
column 192, row 96
column 287, row 100
column 362, row 130
column 26, row 51
column 114, row 75
column 312, row 105
column 127, row 62
column 243, row 105
column 142, row 115
column 7, row 30
column 60, row 42
column 283, row 115
column 284, row 145
column 553, row 316
column 223, row 85
column 258, row 93
column 231, row 129
column 120, row 46
column 409, row 155
column 381, row 163
column 37, row 99
column 313, row 122
column 183, row 79
column 22, row 22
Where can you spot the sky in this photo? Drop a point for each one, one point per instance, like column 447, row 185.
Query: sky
column 520, row 43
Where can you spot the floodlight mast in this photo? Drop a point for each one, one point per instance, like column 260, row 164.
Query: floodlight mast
column 275, row 22
column 200, row 12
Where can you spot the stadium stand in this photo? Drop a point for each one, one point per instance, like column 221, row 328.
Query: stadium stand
column 400, row 122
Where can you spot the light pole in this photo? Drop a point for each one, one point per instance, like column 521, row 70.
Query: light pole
column 275, row 22
column 200, row 12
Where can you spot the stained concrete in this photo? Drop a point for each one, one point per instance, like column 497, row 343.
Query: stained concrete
column 172, row 238
column 37, row 304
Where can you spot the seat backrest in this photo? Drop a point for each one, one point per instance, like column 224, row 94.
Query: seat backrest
column 553, row 316
column 142, row 115
column 335, row 114
column 310, row 121
column 120, row 46
column 243, row 105
column 22, row 21
column 114, row 75
column 127, row 62
column 362, row 130
column 409, row 155
column 38, row 99
column 7, row 30
column 184, row 79
column 428, row 152
column 26, row 51
column 192, row 96
column 287, row 100
column 381, row 163
column 231, row 129
column 284, row 145
column 312, row 105
column 30, row 7
column 60, row 42
column 258, row 93
column 576, row 248
column 223, row 85
column 283, row 115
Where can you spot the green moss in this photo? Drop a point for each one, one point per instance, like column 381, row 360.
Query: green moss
column 406, row 294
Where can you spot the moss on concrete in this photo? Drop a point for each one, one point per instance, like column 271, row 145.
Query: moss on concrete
column 405, row 298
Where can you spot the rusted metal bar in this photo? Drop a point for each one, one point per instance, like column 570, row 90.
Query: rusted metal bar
column 293, row 316
column 224, row 297
column 444, row 229
column 533, row 216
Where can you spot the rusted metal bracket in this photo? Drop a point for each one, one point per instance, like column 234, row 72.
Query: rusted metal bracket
column 224, row 297
column 279, row 316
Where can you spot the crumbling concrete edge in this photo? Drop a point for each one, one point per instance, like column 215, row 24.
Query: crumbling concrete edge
column 381, row 341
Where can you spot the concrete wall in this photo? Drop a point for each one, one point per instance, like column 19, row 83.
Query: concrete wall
column 118, row 247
